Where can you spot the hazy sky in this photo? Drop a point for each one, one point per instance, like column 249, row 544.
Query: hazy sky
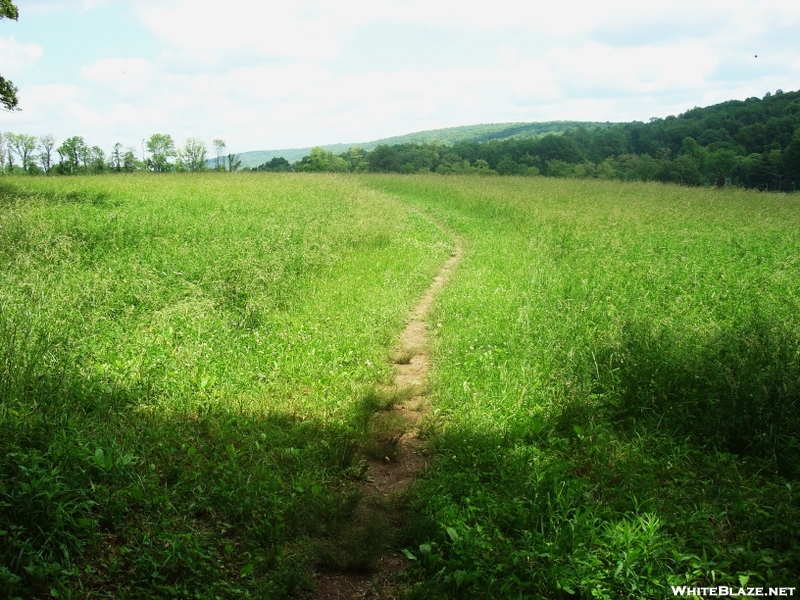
column 264, row 75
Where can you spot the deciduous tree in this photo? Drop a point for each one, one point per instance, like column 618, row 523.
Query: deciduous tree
column 8, row 91
column 96, row 160
column 791, row 158
column 359, row 163
column 277, row 164
column 193, row 154
column 321, row 160
column 219, row 149
column 71, row 152
column 116, row 157
column 234, row 162
column 129, row 160
column 46, row 144
column 23, row 146
column 162, row 149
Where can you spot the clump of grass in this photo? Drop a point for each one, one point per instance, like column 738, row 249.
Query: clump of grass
column 404, row 356
column 387, row 397
column 383, row 438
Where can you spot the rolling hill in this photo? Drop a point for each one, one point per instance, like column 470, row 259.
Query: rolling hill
column 448, row 135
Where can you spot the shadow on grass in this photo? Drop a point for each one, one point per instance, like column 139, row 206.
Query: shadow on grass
column 589, row 511
column 736, row 390
column 676, row 463
column 101, row 490
column 11, row 194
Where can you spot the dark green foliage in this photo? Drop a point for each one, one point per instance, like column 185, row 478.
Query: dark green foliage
column 752, row 143
column 8, row 10
column 8, row 91
column 8, row 94
column 791, row 157
column 386, row 159
column 277, row 164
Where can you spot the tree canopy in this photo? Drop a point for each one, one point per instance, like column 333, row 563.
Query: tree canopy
column 8, row 91
column 753, row 143
column 161, row 148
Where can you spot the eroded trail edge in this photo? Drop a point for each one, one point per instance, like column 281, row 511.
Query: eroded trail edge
column 396, row 456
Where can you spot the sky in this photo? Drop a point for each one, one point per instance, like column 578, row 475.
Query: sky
column 266, row 75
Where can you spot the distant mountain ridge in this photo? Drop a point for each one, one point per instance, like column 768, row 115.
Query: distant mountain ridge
column 447, row 136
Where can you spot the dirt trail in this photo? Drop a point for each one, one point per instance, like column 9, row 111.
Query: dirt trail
column 386, row 477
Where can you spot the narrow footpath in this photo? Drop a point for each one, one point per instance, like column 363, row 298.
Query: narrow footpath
column 388, row 476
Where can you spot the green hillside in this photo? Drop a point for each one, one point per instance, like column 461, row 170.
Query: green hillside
column 448, row 135
column 752, row 143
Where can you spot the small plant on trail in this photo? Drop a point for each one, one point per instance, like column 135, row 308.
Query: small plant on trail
column 383, row 439
column 404, row 357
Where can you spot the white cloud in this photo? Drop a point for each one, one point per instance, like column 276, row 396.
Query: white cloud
column 15, row 57
column 264, row 83
column 632, row 70
column 202, row 30
column 319, row 29
column 507, row 54
column 123, row 76
column 267, row 75
column 49, row 6
column 43, row 102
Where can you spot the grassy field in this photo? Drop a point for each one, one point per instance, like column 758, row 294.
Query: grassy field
column 185, row 369
column 617, row 390
column 186, row 366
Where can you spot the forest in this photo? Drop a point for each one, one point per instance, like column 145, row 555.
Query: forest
column 754, row 143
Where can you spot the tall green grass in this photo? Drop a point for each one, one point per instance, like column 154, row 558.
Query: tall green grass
column 616, row 390
column 185, row 366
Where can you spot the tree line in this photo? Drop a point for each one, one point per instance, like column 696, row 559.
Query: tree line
column 753, row 143
column 22, row 153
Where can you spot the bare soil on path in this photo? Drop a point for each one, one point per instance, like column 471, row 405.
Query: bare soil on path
column 388, row 476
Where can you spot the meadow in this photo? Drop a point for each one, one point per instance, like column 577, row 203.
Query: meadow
column 187, row 366
column 616, row 390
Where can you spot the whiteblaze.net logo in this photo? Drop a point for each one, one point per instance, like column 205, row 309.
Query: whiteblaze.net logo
column 723, row 591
